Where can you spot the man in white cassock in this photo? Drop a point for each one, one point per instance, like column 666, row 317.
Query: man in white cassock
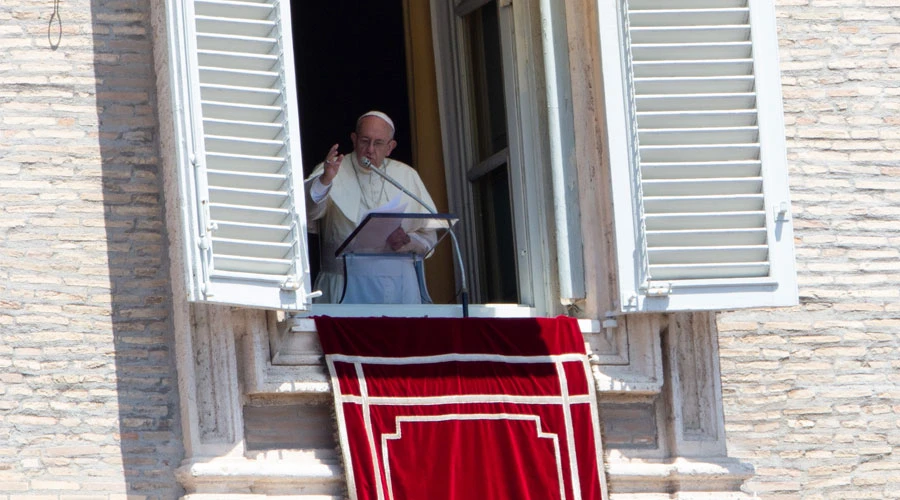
column 341, row 191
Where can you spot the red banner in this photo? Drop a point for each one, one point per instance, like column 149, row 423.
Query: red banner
column 464, row 408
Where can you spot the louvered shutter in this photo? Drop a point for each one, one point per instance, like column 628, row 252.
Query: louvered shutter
column 696, row 146
column 240, row 171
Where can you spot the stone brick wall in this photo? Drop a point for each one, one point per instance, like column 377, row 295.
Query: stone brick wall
column 88, row 398
column 812, row 393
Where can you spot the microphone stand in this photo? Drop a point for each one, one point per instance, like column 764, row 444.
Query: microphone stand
column 464, row 292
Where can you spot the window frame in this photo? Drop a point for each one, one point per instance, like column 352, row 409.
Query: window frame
column 526, row 129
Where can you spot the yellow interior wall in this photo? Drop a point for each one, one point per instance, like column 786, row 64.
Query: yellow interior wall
column 427, row 147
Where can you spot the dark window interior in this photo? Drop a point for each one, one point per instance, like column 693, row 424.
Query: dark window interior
column 349, row 59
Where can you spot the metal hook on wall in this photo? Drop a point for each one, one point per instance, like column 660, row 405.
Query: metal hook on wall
column 54, row 18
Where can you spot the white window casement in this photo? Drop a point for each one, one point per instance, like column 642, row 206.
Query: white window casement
column 695, row 149
column 697, row 154
column 494, row 148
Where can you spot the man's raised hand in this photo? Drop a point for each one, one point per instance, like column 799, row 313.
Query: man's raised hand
column 332, row 164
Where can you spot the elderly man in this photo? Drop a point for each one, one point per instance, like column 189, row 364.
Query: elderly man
column 342, row 190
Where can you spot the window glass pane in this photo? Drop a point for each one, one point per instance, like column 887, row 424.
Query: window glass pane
column 490, row 177
column 498, row 273
column 487, row 80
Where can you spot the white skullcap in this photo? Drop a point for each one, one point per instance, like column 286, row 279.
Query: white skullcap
column 379, row 114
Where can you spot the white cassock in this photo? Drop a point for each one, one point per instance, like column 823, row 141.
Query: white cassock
column 353, row 193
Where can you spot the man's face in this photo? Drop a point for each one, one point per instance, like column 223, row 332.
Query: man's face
column 372, row 140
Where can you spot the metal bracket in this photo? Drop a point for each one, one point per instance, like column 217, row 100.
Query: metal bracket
column 658, row 289
column 291, row 284
column 782, row 212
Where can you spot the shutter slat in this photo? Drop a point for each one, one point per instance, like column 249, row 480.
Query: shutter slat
column 736, row 220
column 246, row 163
column 244, row 129
column 230, row 111
column 687, row 68
column 700, row 170
column 693, row 34
column 246, row 45
column 702, row 204
column 239, row 78
column 235, row 27
column 696, row 119
column 702, row 153
column 249, row 215
column 710, row 271
column 708, row 255
column 684, row 187
column 695, row 86
column 689, row 17
column 239, row 95
column 257, row 232
column 635, row 5
column 689, row 102
column 235, row 145
column 251, row 249
column 249, row 265
column 261, row 182
column 237, row 61
column 231, row 9
column 690, row 136
column 691, row 52
column 708, row 237
column 248, row 197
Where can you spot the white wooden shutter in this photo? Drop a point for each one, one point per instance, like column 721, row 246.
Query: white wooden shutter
column 700, row 193
column 240, row 171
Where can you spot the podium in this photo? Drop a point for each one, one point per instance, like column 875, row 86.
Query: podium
column 374, row 273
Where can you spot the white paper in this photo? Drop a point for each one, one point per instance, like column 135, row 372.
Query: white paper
column 395, row 205
column 374, row 237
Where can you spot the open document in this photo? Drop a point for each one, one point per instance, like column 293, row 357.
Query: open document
column 371, row 234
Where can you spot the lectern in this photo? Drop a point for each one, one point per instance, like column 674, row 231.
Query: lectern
column 374, row 274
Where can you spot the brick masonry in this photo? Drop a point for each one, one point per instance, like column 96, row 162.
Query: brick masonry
column 812, row 393
column 88, row 398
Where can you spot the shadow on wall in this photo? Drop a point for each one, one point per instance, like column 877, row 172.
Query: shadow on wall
column 149, row 426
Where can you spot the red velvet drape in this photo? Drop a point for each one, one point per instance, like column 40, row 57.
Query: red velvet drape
column 464, row 408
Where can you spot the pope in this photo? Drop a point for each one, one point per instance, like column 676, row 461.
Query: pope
column 342, row 190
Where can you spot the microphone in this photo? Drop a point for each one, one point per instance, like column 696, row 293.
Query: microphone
column 464, row 291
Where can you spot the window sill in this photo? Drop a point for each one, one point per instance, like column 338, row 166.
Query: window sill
column 296, row 342
column 417, row 311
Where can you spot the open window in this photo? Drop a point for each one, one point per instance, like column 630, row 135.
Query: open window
column 695, row 147
column 487, row 169
column 493, row 115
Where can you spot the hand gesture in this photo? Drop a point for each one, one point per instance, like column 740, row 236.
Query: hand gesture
column 332, row 164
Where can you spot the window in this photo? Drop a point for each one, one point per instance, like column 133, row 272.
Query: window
column 695, row 145
column 488, row 172
column 494, row 145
